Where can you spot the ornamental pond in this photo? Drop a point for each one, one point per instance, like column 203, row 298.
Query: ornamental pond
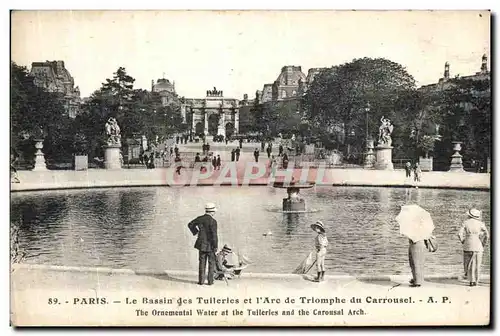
column 146, row 228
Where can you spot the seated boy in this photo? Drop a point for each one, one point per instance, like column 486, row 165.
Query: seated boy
column 222, row 267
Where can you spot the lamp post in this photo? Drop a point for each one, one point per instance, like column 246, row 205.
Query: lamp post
column 369, row 155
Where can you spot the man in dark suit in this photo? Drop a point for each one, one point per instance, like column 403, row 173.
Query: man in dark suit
column 205, row 227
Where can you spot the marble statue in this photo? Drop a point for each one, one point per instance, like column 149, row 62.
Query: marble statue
column 385, row 131
column 113, row 132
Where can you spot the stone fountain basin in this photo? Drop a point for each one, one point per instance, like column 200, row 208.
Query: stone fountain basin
column 293, row 185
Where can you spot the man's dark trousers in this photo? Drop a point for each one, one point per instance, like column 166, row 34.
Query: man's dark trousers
column 203, row 257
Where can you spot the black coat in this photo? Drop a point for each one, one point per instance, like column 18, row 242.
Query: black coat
column 206, row 228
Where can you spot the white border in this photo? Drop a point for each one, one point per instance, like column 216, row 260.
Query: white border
column 190, row 4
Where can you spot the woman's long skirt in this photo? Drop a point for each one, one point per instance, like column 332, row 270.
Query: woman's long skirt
column 416, row 254
column 472, row 265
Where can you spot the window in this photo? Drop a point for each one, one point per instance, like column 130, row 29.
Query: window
column 283, row 94
column 294, row 93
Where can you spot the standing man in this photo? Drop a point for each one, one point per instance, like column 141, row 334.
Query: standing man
column 217, row 162
column 408, row 169
column 269, row 151
column 280, row 148
column 256, row 155
column 241, row 142
column 205, row 227
column 237, row 152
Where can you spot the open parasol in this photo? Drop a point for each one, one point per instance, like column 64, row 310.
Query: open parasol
column 415, row 222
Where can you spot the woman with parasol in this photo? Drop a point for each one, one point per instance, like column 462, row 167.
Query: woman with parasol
column 416, row 224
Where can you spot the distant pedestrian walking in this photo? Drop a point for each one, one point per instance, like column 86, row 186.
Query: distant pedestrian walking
column 214, row 162
column 237, row 152
column 280, row 150
column 256, row 154
column 233, row 155
column 178, row 165
column 269, row 150
column 474, row 236
column 408, row 169
column 218, row 162
column 241, row 143
column 285, row 161
column 417, row 173
column 320, row 243
column 272, row 165
column 205, row 227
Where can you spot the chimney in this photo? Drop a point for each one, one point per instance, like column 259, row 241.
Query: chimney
column 446, row 70
column 484, row 64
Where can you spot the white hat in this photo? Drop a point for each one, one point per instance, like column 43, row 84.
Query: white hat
column 210, row 207
column 474, row 213
column 319, row 225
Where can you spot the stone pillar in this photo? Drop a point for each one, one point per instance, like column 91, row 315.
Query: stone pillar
column 236, row 121
column 384, row 158
column 488, row 165
column 112, row 157
column 456, row 159
column 205, row 127
column 222, row 124
column 369, row 155
column 193, row 122
column 39, row 156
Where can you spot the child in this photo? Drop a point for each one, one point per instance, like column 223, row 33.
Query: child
column 321, row 242
column 417, row 172
column 222, row 266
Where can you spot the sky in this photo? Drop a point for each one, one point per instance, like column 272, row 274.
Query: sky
column 240, row 51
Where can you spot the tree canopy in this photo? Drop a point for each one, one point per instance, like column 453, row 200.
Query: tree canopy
column 138, row 112
column 352, row 97
column 37, row 113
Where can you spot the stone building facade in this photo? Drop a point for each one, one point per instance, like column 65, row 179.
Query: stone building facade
column 54, row 77
column 165, row 89
column 287, row 84
column 444, row 82
column 214, row 114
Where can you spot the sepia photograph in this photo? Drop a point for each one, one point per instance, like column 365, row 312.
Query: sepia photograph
column 253, row 168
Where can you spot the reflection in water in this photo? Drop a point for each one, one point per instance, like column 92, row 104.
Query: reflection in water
column 291, row 221
column 146, row 228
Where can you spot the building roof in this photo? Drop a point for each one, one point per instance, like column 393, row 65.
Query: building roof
column 290, row 75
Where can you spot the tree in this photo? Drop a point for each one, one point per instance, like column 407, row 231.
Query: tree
column 137, row 112
column 463, row 108
column 36, row 112
column 337, row 99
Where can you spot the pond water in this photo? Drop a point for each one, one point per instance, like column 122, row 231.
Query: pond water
column 146, row 228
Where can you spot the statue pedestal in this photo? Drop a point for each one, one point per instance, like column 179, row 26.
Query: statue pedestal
column 369, row 155
column 40, row 164
column 425, row 163
column 456, row 165
column 294, row 204
column 384, row 158
column 112, row 157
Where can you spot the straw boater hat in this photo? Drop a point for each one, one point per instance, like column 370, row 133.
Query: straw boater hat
column 318, row 224
column 474, row 213
column 210, row 207
column 227, row 249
